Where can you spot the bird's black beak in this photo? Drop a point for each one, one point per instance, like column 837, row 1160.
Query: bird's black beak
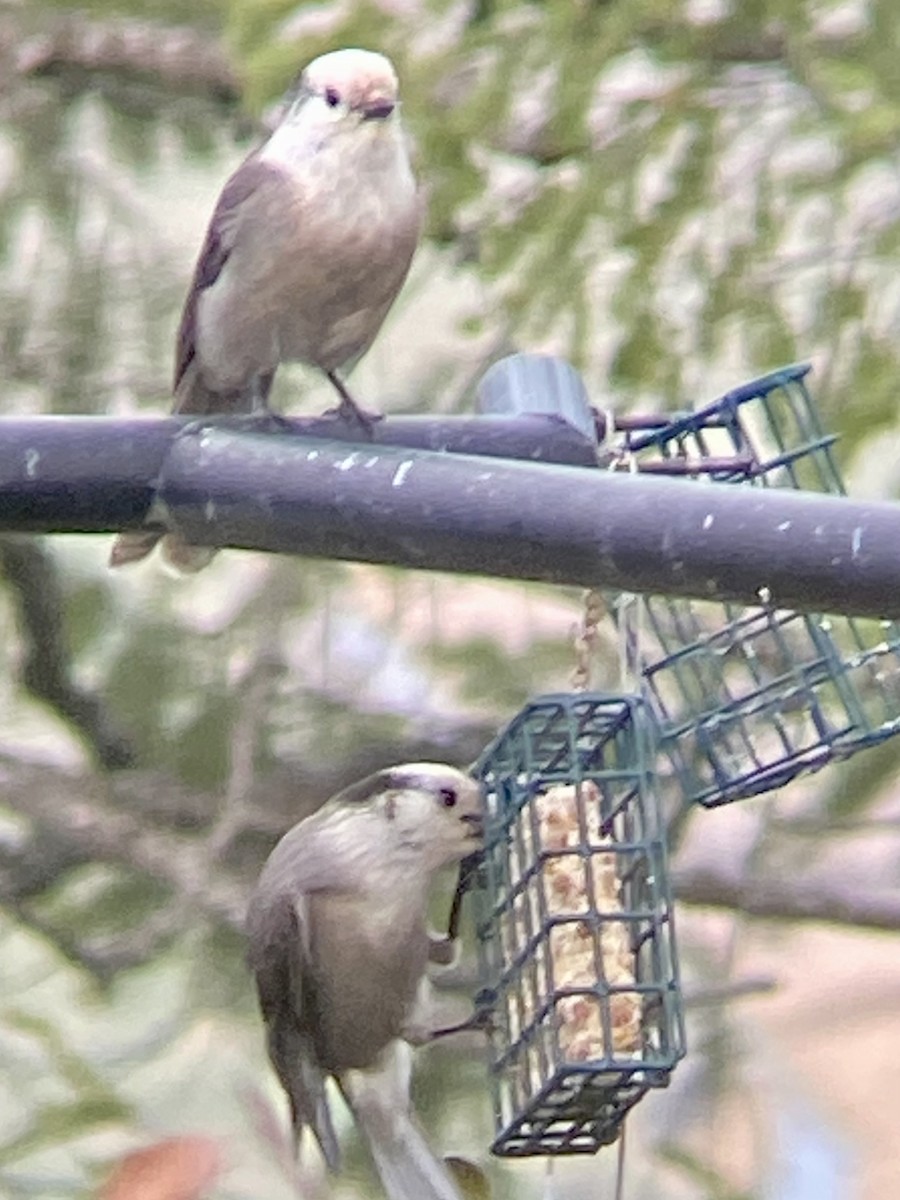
column 377, row 110
column 475, row 821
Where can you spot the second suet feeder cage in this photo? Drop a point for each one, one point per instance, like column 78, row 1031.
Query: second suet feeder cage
column 748, row 698
column 575, row 924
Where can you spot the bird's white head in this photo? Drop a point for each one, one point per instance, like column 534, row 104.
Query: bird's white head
column 429, row 812
column 345, row 89
column 435, row 811
column 345, row 103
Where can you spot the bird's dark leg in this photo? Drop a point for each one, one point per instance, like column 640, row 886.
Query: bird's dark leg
column 481, row 1021
column 263, row 415
column 262, row 386
column 468, row 873
column 442, row 951
column 348, row 410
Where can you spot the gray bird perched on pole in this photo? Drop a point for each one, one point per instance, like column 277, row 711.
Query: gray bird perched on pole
column 308, row 246
column 339, row 945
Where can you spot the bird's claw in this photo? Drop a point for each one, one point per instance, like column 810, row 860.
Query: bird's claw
column 265, row 419
column 351, row 414
column 348, row 410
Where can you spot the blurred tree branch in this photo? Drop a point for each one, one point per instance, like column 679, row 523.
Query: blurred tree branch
column 117, row 822
column 797, row 899
column 181, row 58
column 205, row 853
column 46, row 669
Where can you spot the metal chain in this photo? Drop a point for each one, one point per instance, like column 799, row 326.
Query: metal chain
column 585, row 643
column 585, row 640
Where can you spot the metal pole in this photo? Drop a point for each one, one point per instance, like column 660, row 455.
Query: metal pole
column 94, row 474
column 530, row 521
column 450, row 512
column 416, row 496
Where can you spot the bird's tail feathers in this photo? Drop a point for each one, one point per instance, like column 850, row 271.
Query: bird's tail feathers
column 323, row 1129
column 304, row 1083
column 407, row 1166
column 193, row 395
column 132, row 547
column 181, row 557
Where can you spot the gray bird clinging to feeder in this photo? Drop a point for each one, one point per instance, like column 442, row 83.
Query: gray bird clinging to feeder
column 307, row 249
column 338, row 943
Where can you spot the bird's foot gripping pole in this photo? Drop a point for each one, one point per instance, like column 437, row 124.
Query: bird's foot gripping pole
column 348, row 410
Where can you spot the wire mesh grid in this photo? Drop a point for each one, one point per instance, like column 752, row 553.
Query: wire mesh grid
column 748, row 698
column 575, row 924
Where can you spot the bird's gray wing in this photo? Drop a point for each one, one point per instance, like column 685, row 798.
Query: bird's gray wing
column 277, row 955
column 192, row 394
column 251, row 175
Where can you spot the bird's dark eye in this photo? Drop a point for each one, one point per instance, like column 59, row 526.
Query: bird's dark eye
column 448, row 797
column 332, row 97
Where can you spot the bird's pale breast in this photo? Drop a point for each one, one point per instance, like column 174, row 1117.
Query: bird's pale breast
column 320, row 254
column 366, row 977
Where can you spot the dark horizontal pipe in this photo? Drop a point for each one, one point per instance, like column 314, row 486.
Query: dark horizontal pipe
column 441, row 511
column 533, row 521
column 90, row 474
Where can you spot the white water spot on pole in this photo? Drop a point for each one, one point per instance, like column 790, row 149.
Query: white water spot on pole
column 349, row 462
column 856, row 542
column 401, row 473
column 32, row 458
column 708, row 521
column 784, row 526
column 765, row 596
column 312, row 456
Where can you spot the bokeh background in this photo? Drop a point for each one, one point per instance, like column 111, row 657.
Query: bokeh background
column 675, row 194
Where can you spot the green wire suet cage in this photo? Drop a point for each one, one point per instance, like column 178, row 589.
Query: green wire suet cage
column 575, row 923
column 748, row 698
